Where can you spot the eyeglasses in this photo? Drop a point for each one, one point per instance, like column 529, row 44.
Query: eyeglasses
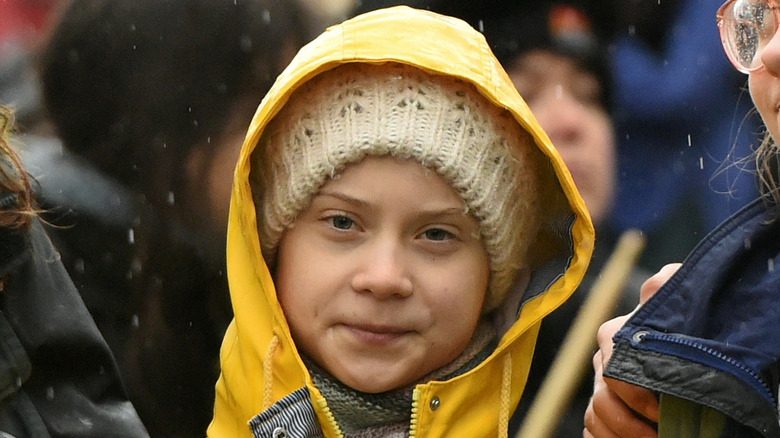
column 746, row 26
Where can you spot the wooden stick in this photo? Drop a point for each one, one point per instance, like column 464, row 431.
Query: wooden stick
column 575, row 353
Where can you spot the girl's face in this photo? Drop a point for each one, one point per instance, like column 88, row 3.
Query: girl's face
column 383, row 276
column 765, row 86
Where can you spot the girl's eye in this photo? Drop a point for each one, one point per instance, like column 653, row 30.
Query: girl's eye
column 342, row 222
column 438, row 234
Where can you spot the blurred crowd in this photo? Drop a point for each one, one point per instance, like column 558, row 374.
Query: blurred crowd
column 131, row 115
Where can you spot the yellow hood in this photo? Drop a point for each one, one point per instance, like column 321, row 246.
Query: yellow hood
column 260, row 363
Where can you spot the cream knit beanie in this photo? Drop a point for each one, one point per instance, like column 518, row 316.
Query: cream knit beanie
column 358, row 110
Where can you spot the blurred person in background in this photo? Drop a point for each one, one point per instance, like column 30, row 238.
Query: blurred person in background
column 557, row 59
column 59, row 378
column 151, row 101
column 559, row 65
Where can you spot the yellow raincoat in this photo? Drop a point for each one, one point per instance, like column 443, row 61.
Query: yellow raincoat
column 259, row 360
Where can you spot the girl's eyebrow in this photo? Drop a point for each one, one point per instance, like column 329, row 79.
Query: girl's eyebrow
column 433, row 212
column 343, row 197
column 448, row 211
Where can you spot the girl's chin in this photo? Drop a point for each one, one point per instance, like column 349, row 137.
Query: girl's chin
column 774, row 128
column 376, row 378
column 373, row 385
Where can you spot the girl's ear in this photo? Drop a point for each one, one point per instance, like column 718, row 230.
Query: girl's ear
column 506, row 313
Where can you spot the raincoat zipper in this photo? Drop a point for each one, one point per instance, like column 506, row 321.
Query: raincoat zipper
column 330, row 418
column 413, row 425
column 690, row 350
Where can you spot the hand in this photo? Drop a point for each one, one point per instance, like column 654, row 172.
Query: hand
column 617, row 408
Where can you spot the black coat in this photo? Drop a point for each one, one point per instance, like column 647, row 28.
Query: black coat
column 57, row 375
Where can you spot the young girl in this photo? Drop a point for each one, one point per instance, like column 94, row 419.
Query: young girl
column 399, row 226
column 707, row 341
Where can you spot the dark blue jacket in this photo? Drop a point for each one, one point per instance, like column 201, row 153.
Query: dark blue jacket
column 711, row 334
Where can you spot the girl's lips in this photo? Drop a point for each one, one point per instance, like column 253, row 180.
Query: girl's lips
column 375, row 334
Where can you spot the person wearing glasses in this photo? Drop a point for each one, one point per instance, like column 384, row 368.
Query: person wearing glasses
column 701, row 356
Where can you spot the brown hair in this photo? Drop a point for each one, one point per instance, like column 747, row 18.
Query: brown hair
column 13, row 178
column 768, row 167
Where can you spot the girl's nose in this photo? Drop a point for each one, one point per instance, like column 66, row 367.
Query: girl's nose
column 382, row 271
column 770, row 56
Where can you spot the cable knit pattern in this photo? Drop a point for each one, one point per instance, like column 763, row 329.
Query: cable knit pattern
column 357, row 110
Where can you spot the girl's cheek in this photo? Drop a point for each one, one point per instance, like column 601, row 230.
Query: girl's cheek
column 758, row 84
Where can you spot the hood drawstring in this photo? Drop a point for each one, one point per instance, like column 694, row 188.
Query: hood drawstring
column 506, row 391
column 267, row 372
